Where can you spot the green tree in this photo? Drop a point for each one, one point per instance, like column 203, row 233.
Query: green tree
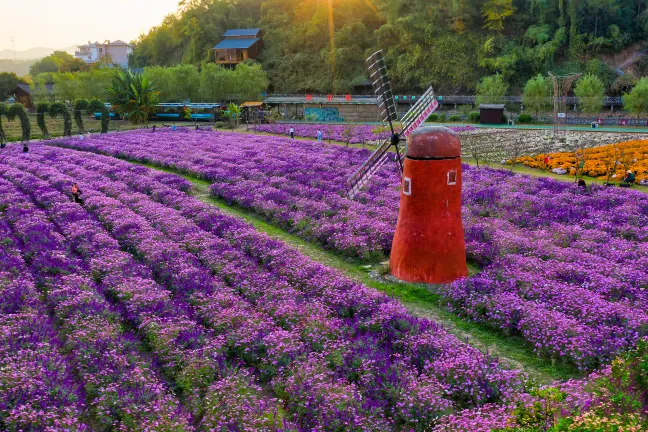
column 18, row 110
column 133, row 96
column 537, row 94
column 8, row 82
column 636, row 101
column 65, row 87
column 4, row 109
column 491, row 89
column 249, row 81
column 100, row 107
column 80, row 108
column 590, row 92
column 233, row 113
column 623, row 85
column 215, row 81
column 495, row 12
column 60, row 109
column 41, row 109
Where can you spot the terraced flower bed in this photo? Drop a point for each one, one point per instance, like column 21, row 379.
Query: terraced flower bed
column 564, row 268
column 158, row 312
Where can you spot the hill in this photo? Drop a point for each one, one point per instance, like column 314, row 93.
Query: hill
column 449, row 44
column 19, row 67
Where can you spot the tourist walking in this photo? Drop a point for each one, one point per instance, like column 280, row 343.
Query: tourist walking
column 292, row 132
column 319, row 135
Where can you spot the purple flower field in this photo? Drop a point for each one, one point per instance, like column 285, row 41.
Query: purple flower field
column 146, row 309
column 354, row 134
column 565, row 269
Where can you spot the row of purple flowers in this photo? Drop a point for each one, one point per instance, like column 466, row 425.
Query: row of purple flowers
column 352, row 133
column 249, row 333
column 563, row 267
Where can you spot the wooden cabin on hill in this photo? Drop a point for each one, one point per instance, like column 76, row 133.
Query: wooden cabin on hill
column 238, row 46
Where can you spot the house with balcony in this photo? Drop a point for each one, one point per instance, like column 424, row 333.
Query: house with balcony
column 117, row 50
column 238, row 45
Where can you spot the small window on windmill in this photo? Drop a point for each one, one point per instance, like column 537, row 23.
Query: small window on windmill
column 452, row 177
column 407, row 186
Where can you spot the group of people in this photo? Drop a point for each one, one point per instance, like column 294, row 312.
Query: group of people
column 292, row 133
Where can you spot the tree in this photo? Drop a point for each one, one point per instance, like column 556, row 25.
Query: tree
column 215, row 82
column 495, row 12
column 491, row 89
column 65, row 86
column 4, row 109
column 623, row 85
column 636, row 101
column 58, row 61
column 537, row 94
column 100, row 107
column 133, row 96
column 18, row 110
column 590, row 92
column 41, row 109
column 80, row 107
column 233, row 113
column 8, row 82
column 60, row 109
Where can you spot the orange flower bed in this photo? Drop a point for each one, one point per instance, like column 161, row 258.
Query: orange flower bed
column 620, row 157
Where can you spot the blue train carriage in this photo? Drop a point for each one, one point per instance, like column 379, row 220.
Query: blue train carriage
column 175, row 112
column 197, row 111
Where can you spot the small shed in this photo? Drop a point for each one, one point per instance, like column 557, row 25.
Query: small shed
column 491, row 113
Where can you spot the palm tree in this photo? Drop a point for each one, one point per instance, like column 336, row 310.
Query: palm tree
column 133, row 96
column 233, row 113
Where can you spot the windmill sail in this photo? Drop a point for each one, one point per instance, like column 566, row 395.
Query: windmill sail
column 387, row 108
column 360, row 178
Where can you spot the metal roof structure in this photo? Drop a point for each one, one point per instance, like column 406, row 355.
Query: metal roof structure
column 324, row 100
column 252, row 32
column 491, row 106
column 236, row 43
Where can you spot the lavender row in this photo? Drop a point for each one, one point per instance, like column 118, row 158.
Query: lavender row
column 121, row 387
column 590, row 243
column 37, row 385
column 272, row 255
column 352, row 133
column 446, row 365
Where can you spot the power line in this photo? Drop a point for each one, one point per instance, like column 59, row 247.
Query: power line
column 13, row 46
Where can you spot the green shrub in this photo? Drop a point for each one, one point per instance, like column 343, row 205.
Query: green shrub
column 473, row 117
column 433, row 118
column 220, row 125
column 442, row 117
column 504, row 118
column 454, row 118
column 525, row 118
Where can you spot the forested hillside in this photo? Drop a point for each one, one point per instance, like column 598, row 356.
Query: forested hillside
column 447, row 43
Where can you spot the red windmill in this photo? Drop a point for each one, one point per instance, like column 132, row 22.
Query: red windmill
column 429, row 241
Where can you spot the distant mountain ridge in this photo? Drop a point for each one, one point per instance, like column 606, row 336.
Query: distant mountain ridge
column 32, row 53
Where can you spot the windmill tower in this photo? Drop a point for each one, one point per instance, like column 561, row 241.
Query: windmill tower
column 428, row 244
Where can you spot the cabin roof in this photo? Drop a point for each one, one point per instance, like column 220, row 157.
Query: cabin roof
column 252, row 32
column 236, row 43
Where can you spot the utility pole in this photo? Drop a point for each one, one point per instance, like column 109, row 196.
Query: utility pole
column 13, row 46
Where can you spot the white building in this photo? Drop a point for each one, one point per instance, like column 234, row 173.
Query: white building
column 93, row 52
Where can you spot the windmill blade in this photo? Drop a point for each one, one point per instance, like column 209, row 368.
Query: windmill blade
column 382, row 88
column 421, row 110
column 361, row 177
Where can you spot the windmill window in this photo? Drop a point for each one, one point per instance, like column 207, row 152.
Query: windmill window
column 407, row 186
column 452, row 177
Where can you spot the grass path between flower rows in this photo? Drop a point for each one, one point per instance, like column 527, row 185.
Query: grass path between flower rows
column 419, row 299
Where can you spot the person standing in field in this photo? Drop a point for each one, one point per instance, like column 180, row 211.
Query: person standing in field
column 546, row 161
column 292, row 132
column 319, row 135
column 76, row 194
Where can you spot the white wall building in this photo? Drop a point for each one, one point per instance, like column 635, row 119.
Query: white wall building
column 93, row 52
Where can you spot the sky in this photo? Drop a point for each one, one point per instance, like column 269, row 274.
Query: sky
column 62, row 23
